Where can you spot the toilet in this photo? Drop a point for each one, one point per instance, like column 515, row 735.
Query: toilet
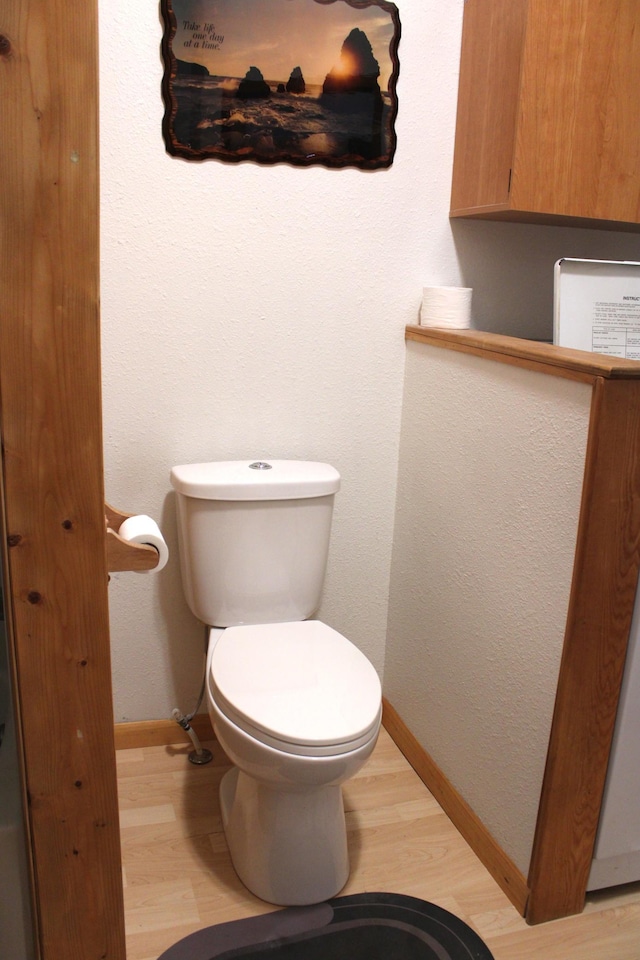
column 294, row 704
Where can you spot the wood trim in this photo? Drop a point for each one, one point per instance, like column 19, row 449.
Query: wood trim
column 486, row 848
column 500, row 213
column 540, row 357
column 601, row 605
column 157, row 733
column 485, row 210
column 52, row 462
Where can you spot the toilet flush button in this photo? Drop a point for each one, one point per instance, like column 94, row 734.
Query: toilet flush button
column 260, row 465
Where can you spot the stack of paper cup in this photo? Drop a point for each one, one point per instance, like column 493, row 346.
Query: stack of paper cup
column 448, row 307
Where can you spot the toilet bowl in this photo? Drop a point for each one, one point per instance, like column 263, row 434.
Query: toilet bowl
column 294, row 733
column 294, row 704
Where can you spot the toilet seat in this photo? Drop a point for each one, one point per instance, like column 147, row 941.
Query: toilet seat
column 300, row 687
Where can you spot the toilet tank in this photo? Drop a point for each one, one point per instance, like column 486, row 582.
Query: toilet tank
column 254, row 538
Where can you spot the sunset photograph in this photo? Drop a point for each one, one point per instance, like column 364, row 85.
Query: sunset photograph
column 297, row 81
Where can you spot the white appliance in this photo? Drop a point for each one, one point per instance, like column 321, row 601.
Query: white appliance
column 617, row 850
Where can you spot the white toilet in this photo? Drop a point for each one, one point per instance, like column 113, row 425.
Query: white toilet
column 295, row 705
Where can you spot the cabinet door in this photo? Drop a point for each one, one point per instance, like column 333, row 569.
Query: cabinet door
column 578, row 129
column 549, row 112
column 488, row 98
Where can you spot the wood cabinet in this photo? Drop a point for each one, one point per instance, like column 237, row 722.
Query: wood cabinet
column 548, row 125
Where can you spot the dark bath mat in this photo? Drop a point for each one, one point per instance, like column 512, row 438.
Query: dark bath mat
column 366, row 926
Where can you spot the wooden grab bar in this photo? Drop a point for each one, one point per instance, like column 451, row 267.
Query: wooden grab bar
column 122, row 554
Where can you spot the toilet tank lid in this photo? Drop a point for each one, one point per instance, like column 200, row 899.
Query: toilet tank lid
column 255, row 480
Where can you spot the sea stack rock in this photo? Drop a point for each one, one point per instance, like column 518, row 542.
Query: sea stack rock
column 351, row 88
column 184, row 68
column 253, row 86
column 295, row 83
column 355, row 74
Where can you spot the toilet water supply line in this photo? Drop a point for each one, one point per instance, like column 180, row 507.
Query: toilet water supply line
column 200, row 755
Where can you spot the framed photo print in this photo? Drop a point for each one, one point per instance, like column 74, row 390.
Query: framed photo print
column 281, row 81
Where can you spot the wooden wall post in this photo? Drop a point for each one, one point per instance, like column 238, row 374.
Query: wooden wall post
column 52, row 471
column 601, row 606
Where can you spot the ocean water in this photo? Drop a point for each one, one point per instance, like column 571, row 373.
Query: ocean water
column 205, row 118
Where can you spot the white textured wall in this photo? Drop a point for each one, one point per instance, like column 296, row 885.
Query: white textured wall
column 253, row 311
column 490, row 479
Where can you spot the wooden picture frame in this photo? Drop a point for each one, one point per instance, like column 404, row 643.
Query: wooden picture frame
column 296, row 81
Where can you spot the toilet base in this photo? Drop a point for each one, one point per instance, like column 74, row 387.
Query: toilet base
column 288, row 846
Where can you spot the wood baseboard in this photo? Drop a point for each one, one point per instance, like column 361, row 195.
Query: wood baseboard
column 157, row 733
column 491, row 854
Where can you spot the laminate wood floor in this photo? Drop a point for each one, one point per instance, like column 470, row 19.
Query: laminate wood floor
column 178, row 876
